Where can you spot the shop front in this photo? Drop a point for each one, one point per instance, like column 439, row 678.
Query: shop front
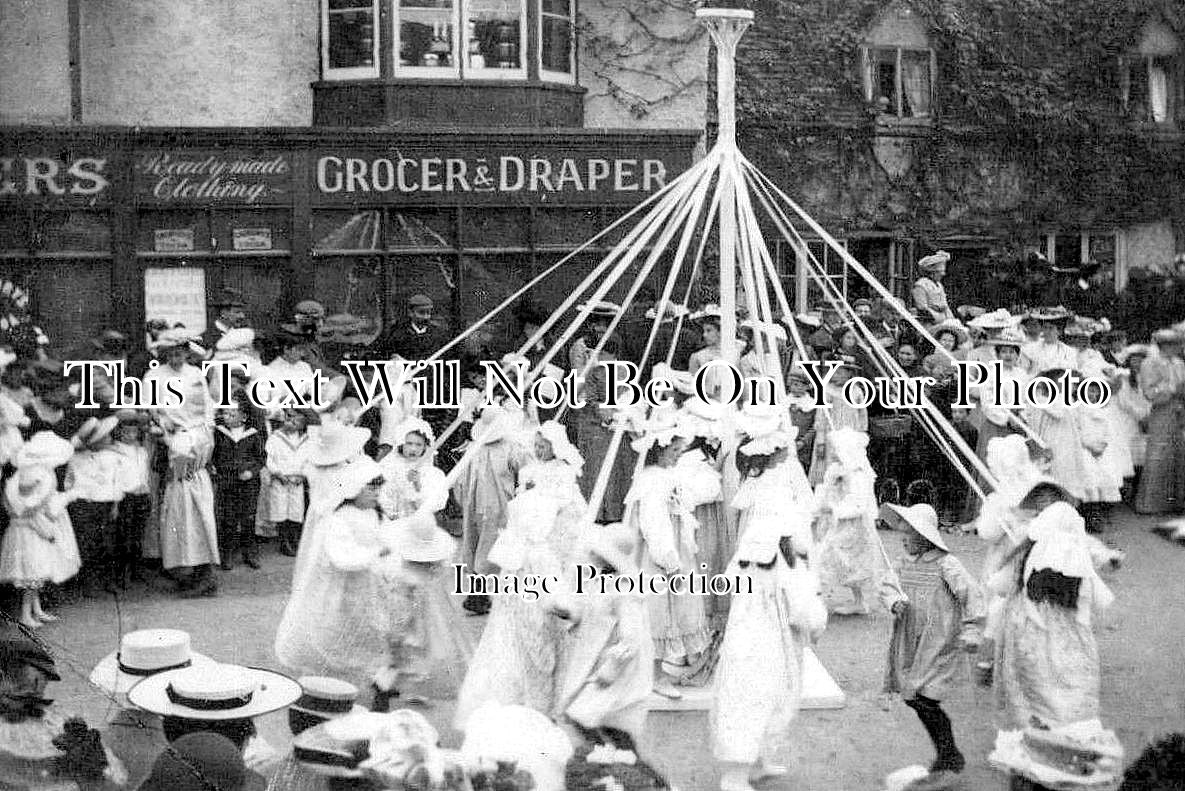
column 113, row 227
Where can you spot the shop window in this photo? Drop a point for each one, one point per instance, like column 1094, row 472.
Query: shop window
column 349, row 44
column 1152, row 85
column 565, row 227
column 1068, row 250
column 262, row 288
column 71, row 298
column 350, row 286
column 14, row 233
column 412, row 229
column 433, row 275
column 899, row 67
column 174, row 232
column 488, row 280
column 495, row 228
column 75, row 232
column 344, row 231
column 557, row 44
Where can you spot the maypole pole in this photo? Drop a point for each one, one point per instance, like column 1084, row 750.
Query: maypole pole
column 726, row 26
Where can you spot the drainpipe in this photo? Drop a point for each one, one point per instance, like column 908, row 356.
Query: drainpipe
column 73, row 21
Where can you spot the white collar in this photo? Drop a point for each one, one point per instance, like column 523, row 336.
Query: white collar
column 237, row 434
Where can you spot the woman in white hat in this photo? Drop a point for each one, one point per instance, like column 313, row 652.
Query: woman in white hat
column 851, row 556
column 515, row 662
column 657, row 512
column 929, row 295
column 1049, row 350
column 338, row 617
column 188, row 530
column 39, row 545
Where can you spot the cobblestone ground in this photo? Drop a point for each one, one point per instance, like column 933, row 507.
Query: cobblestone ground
column 1141, row 641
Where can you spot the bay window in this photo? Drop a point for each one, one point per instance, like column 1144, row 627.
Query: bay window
column 449, row 39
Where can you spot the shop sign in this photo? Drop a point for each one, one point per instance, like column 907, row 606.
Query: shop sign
column 173, row 240
column 74, row 180
column 176, row 295
column 252, row 238
column 236, row 178
column 610, row 176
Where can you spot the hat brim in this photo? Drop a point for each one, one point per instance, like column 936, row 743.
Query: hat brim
column 1025, row 500
column 275, row 691
column 896, row 518
column 108, row 677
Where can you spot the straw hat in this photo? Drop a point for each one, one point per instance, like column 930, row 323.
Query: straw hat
column 1008, row 337
column 215, row 692
column 132, row 417
column 1079, row 327
column 682, row 381
column 708, row 419
column 44, row 449
column 615, row 545
column 998, row 319
column 144, row 653
column 709, row 311
column 345, row 328
column 322, row 699
column 310, row 308
column 349, row 481
column 94, row 430
column 422, row 541
column 240, row 340
column 920, row 518
column 767, row 427
column 1052, row 314
column 335, row 444
column 951, row 325
column 813, row 319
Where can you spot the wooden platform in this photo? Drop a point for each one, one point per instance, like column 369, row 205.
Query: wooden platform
column 819, row 691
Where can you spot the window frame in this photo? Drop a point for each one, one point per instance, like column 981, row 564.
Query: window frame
column 460, row 70
column 868, row 63
column 329, row 73
column 547, row 75
column 1047, row 244
column 425, row 72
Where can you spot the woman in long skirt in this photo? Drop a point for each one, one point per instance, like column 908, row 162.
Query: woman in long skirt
column 594, row 435
column 1162, row 377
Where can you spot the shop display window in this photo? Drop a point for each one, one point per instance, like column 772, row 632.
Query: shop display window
column 262, row 288
column 71, row 298
column 433, row 275
column 349, row 40
column 72, row 232
column 495, row 228
column 410, row 229
column 567, row 227
column 487, row 280
column 347, row 230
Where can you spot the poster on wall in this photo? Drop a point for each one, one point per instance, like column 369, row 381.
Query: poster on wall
column 252, row 238
column 176, row 295
column 173, row 240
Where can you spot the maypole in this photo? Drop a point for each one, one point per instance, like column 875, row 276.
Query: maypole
column 726, row 26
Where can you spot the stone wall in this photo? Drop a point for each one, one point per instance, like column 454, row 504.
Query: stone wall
column 199, row 62
column 34, row 62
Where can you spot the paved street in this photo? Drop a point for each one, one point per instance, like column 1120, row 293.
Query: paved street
column 853, row 748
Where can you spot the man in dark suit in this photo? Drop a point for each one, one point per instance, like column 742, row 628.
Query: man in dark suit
column 231, row 314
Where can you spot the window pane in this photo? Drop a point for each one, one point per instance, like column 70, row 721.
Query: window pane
column 556, row 51
column 495, row 33
column 351, row 34
column 1102, row 249
column 1158, row 89
column 1068, row 250
column 493, row 228
column 433, row 275
column 488, row 280
column 261, row 287
column 915, row 82
column 427, row 33
column 428, row 228
column 349, row 285
column 72, row 298
column 568, row 227
column 173, row 232
column 884, row 80
column 75, row 231
column 346, row 230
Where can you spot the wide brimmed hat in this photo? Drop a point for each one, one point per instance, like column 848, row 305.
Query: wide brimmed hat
column 1008, row 337
column 1166, row 336
column 412, row 425
column 707, row 419
column 132, row 417
column 1045, row 485
column 335, row 444
column 921, row 518
column 111, row 342
column 1079, row 328
column 348, row 482
column 998, row 319
column 951, row 325
column 709, row 311
column 614, row 544
column 1053, row 314
column 215, row 692
column 661, row 427
column 94, row 430
column 770, row 329
column 144, row 653
column 1134, row 350
column 600, row 308
column 970, row 312
column 768, row 428
column 199, row 761
column 177, row 337
column 813, row 319
column 239, row 339
column 421, row 540
column 934, row 260
column 322, row 699
column 44, row 449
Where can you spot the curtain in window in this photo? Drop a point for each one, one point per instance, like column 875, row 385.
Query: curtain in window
column 1158, row 92
column 915, row 80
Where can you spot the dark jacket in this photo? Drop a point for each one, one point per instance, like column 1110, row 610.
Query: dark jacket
column 232, row 458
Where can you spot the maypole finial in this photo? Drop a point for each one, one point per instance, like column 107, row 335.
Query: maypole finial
column 726, row 26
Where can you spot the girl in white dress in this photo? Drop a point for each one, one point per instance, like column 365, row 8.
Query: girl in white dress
column 39, row 544
column 515, row 662
column 287, row 454
column 759, row 678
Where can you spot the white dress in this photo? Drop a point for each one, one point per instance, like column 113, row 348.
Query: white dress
column 188, row 531
column 516, row 660
column 338, row 616
column 39, row 544
column 286, row 455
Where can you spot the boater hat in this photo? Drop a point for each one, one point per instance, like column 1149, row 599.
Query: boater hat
column 95, row 430
column 215, row 692
column 920, row 518
column 144, row 653
column 336, row 444
column 323, row 699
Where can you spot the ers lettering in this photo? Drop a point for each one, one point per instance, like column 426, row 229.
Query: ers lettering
column 50, row 176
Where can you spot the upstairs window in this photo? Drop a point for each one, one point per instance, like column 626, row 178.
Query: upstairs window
column 349, row 39
column 449, row 39
column 1151, row 77
column 898, row 66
